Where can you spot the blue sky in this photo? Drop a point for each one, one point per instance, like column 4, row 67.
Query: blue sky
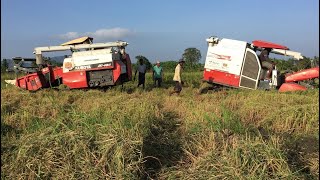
column 158, row 30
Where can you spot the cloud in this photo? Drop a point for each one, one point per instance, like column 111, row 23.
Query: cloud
column 69, row 35
column 100, row 34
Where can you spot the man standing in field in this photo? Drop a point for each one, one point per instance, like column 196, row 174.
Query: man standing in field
column 177, row 77
column 142, row 68
column 157, row 74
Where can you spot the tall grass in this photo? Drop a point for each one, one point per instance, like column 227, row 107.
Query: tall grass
column 130, row 133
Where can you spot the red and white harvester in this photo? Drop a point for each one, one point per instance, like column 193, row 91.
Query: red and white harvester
column 90, row 65
column 235, row 63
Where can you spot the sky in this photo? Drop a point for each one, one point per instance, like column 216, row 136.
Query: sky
column 158, row 30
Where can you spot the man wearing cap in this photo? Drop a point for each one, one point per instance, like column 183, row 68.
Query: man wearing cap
column 177, row 77
column 157, row 74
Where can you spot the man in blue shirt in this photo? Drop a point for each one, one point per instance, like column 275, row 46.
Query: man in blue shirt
column 157, row 74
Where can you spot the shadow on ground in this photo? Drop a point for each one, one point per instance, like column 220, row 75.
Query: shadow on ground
column 300, row 152
column 162, row 147
column 8, row 131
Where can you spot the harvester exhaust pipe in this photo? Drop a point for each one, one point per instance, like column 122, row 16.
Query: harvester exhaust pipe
column 212, row 41
column 39, row 60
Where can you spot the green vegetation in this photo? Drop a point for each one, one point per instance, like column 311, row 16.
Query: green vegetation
column 132, row 133
column 4, row 65
column 145, row 61
column 192, row 56
column 296, row 65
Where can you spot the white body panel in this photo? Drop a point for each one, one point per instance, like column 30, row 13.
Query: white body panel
column 85, row 59
column 226, row 56
column 92, row 57
column 275, row 78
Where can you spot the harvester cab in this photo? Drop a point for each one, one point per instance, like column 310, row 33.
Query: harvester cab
column 90, row 65
column 235, row 63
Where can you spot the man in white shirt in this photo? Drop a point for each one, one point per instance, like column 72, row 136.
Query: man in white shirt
column 177, row 77
column 142, row 68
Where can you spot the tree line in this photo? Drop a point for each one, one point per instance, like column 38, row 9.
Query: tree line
column 296, row 65
column 192, row 57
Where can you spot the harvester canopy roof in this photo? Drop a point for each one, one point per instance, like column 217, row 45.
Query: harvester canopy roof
column 81, row 40
column 265, row 44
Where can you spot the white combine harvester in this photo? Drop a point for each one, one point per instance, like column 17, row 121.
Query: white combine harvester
column 235, row 63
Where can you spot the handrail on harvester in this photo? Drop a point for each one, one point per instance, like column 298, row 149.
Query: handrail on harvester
column 39, row 50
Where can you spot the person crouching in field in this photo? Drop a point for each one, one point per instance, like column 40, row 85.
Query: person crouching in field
column 177, row 78
column 157, row 74
column 142, row 68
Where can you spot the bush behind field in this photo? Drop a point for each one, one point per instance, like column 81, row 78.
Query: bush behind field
column 169, row 66
column 132, row 133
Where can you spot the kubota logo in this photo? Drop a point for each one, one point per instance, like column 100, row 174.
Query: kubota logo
column 222, row 57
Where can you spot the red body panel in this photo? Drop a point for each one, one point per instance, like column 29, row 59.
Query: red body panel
column 265, row 44
column 57, row 72
column 285, row 87
column 303, row 75
column 75, row 79
column 222, row 78
column 116, row 71
column 129, row 67
column 129, row 70
column 31, row 82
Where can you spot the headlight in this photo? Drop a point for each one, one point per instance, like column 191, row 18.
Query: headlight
column 68, row 65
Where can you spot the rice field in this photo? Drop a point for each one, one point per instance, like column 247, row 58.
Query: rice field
column 135, row 133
